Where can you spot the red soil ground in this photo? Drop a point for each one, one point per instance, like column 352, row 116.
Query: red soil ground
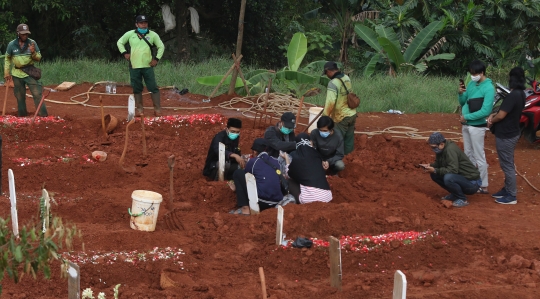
column 379, row 192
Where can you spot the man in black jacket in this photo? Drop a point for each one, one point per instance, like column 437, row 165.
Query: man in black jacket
column 233, row 160
column 281, row 136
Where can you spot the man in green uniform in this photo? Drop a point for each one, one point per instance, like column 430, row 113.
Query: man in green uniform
column 142, row 60
column 336, row 104
column 22, row 52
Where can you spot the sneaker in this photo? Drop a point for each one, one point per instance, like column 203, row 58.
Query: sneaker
column 449, row 197
column 502, row 193
column 460, row 203
column 507, row 200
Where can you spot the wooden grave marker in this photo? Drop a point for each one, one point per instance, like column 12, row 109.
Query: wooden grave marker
column 221, row 162
column 47, row 202
column 279, row 228
column 335, row 263
column 65, row 86
column 252, row 194
column 13, row 200
column 400, row 286
column 74, row 281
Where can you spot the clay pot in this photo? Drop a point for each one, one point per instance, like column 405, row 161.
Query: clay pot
column 110, row 123
column 99, row 156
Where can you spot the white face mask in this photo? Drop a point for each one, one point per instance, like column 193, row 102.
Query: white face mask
column 476, row 78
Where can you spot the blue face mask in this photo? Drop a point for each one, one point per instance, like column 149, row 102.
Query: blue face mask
column 233, row 136
column 324, row 134
column 285, row 130
column 142, row 31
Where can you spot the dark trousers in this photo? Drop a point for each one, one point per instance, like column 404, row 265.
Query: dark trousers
column 346, row 127
column 20, row 94
column 136, row 77
column 294, row 190
column 456, row 184
column 505, row 151
column 228, row 172
column 242, row 199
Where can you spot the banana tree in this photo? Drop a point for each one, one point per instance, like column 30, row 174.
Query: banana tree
column 295, row 78
column 386, row 44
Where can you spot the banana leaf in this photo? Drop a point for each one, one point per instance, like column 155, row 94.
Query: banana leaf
column 261, row 77
column 392, row 51
column 300, row 78
column 323, row 80
column 421, row 41
column 389, row 33
column 445, row 56
column 369, row 36
column 421, row 67
column 296, row 51
column 254, row 73
column 370, row 67
column 214, row 81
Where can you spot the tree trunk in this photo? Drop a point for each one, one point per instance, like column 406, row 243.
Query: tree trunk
column 182, row 34
column 238, row 44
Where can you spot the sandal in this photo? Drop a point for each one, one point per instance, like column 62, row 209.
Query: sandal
column 238, row 212
column 482, row 191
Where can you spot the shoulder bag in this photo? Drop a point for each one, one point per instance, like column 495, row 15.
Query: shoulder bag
column 353, row 100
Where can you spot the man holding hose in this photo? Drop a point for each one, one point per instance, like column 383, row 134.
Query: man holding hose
column 142, row 61
column 22, row 52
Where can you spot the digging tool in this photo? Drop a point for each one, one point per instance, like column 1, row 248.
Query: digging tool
column 263, row 282
column 5, row 98
column 312, row 121
column 170, row 163
column 103, row 118
column 309, row 93
column 131, row 119
column 45, row 94
column 143, row 136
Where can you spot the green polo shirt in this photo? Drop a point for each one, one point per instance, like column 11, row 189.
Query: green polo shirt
column 141, row 54
column 19, row 58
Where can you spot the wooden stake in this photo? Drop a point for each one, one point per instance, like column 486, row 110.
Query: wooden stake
column 239, row 40
column 102, row 118
column 5, row 98
column 126, row 143
column 242, row 77
column 170, row 162
column 13, row 200
column 237, row 61
column 263, row 282
column 299, row 109
column 335, row 263
column 252, row 194
column 221, row 162
column 279, row 228
column 74, row 281
column 400, row 286
column 143, row 136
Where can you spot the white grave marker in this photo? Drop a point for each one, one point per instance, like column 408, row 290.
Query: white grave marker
column 13, row 200
column 131, row 106
column 47, row 200
column 221, row 162
column 252, row 194
column 74, row 281
column 279, row 228
column 400, row 286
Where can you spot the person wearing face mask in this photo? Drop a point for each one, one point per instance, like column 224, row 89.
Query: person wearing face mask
column 142, row 61
column 329, row 143
column 263, row 167
column 23, row 52
column 452, row 170
column 233, row 159
column 476, row 100
column 281, row 136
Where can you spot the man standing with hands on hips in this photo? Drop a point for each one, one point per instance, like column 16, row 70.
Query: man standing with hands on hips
column 23, row 52
column 142, row 60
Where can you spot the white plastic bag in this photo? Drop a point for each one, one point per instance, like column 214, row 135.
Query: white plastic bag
column 168, row 17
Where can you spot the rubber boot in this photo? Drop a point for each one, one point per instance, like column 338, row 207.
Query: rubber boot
column 157, row 103
column 138, row 104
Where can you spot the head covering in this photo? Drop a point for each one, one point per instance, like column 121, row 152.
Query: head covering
column 259, row 145
column 23, row 29
column 234, row 122
column 289, row 120
column 330, row 65
column 302, row 139
column 436, row 138
column 141, row 18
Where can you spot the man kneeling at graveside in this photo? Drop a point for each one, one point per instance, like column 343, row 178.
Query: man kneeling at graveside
column 307, row 177
column 329, row 143
column 230, row 137
column 263, row 167
column 452, row 170
column 281, row 136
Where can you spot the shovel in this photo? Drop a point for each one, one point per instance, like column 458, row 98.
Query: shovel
column 45, row 94
column 170, row 163
column 131, row 119
column 309, row 93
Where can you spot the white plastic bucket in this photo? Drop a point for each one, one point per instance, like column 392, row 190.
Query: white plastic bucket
column 144, row 210
column 313, row 112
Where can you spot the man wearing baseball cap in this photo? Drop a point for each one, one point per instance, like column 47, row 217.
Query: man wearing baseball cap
column 281, row 136
column 336, row 104
column 141, row 59
column 22, row 52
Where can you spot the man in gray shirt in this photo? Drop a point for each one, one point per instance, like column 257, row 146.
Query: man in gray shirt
column 329, row 143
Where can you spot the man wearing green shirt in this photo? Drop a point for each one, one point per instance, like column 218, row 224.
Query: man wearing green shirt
column 142, row 60
column 23, row 52
column 336, row 104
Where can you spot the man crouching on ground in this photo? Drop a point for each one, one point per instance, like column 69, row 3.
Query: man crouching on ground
column 452, row 170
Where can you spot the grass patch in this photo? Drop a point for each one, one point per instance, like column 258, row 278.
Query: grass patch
column 410, row 93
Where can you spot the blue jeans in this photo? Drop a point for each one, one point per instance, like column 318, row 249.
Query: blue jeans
column 457, row 184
